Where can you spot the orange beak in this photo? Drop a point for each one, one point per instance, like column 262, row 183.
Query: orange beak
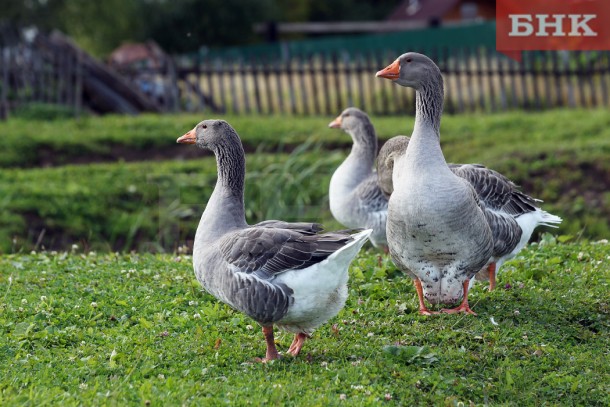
column 188, row 138
column 391, row 71
column 335, row 124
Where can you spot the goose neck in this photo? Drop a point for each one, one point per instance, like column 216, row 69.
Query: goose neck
column 364, row 148
column 429, row 103
column 225, row 209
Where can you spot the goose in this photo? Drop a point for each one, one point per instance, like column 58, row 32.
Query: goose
column 277, row 273
column 438, row 229
column 354, row 195
column 495, row 191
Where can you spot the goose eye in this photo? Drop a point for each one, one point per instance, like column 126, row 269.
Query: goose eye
column 409, row 59
column 346, row 115
column 204, row 126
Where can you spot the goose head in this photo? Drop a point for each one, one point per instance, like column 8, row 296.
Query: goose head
column 411, row 70
column 210, row 135
column 357, row 124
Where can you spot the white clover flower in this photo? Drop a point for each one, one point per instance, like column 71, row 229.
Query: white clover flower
column 43, row 298
column 191, row 303
column 196, row 316
column 83, row 385
column 342, row 396
column 24, row 301
column 94, row 304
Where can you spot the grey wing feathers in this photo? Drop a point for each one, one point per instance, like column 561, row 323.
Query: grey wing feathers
column 267, row 251
column 506, row 232
column 370, row 195
column 493, row 198
column 495, row 191
column 256, row 254
column 301, row 227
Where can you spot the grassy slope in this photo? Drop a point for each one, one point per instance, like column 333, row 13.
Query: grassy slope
column 125, row 205
column 69, row 337
column 559, row 156
column 482, row 138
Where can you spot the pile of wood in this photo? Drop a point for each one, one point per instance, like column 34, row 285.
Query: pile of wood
column 103, row 91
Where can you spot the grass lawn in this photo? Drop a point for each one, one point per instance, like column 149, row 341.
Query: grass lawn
column 147, row 195
column 117, row 329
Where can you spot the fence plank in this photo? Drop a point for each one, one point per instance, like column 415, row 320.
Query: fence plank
column 303, row 86
column 476, row 79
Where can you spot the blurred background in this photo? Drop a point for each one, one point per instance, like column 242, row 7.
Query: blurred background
column 94, row 94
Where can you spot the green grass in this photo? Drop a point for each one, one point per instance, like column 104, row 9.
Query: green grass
column 559, row 156
column 108, row 329
column 150, row 205
column 30, row 143
column 482, row 138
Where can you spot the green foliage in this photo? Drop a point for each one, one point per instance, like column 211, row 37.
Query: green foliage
column 151, row 205
column 29, row 143
column 188, row 25
column 43, row 111
column 106, row 329
column 559, row 157
column 179, row 25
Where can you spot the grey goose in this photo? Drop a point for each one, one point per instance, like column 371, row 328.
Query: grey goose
column 278, row 273
column 439, row 230
column 356, row 201
column 497, row 194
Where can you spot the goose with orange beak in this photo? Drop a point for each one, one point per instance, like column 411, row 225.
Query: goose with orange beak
column 446, row 222
column 278, row 273
column 355, row 199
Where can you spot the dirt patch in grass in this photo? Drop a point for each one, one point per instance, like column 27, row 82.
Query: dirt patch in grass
column 49, row 157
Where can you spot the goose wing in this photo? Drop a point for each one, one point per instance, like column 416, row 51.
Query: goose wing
column 495, row 191
column 369, row 195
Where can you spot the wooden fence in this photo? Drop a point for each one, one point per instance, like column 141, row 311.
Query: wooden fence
column 476, row 79
column 28, row 76
column 51, row 70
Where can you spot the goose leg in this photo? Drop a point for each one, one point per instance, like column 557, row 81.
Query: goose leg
column 294, row 343
column 492, row 276
column 420, row 294
column 463, row 307
column 272, row 353
column 297, row 344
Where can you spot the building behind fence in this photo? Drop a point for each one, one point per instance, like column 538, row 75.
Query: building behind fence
column 325, row 76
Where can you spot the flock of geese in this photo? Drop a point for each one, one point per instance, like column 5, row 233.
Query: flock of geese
column 443, row 224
